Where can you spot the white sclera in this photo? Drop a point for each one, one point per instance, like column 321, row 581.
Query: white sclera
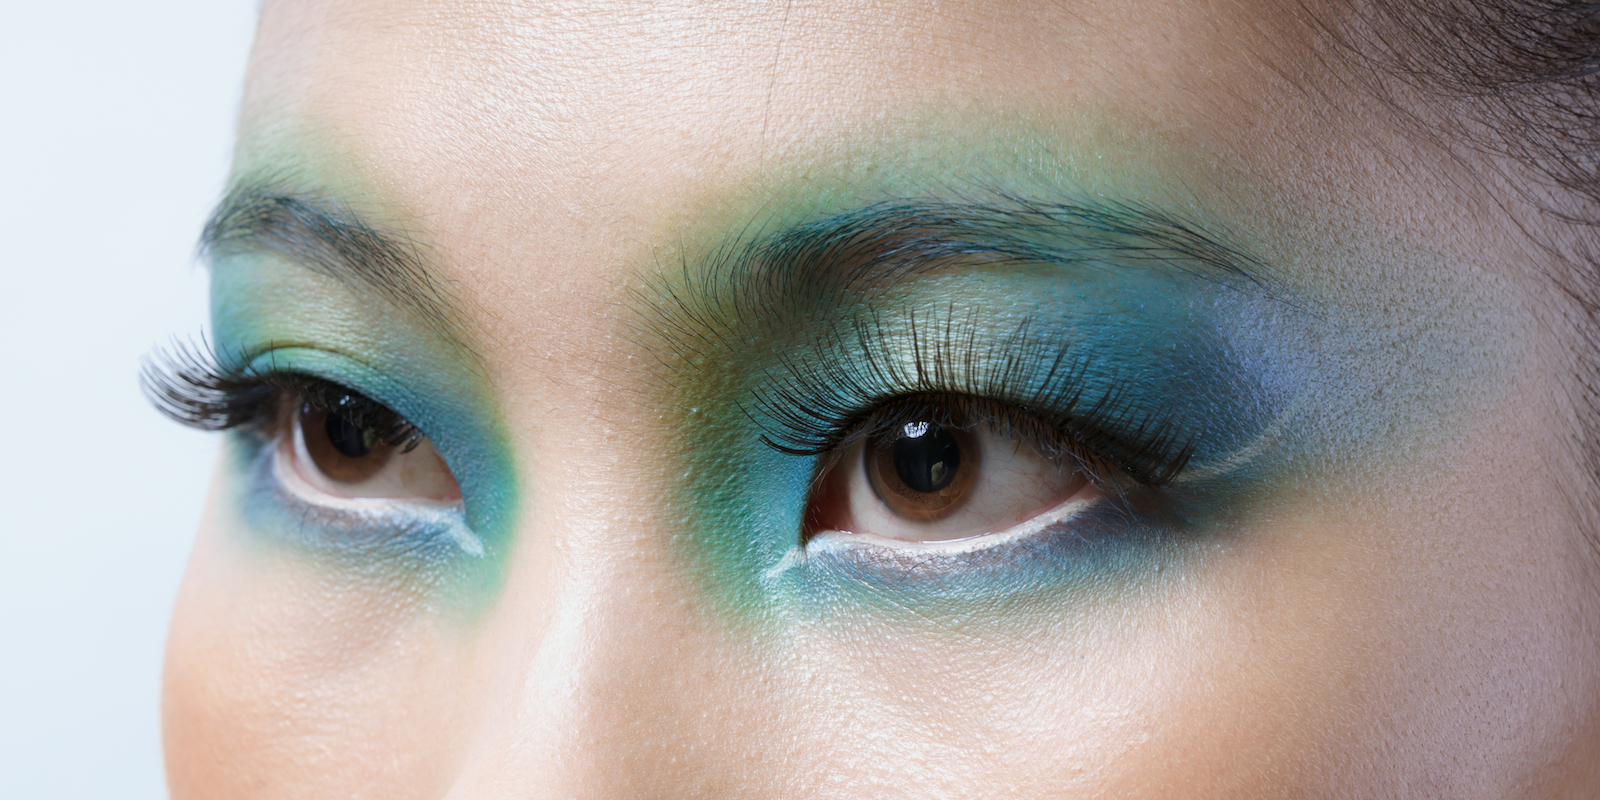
column 419, row 476
column 1015, row 483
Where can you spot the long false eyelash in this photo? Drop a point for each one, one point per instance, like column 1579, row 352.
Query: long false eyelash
column 821, row 406
column 186, row 384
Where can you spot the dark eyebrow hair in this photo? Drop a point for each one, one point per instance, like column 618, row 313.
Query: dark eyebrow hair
column 752, row 281
column 333, row 239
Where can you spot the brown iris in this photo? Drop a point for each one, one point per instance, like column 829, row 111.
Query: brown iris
column 924, row 470
column 342, row 449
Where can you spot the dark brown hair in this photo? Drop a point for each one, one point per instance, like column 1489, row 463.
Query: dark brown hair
column 1520, row 82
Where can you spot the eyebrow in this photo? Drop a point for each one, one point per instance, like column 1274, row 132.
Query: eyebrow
column 333, row 239
column 813, row 269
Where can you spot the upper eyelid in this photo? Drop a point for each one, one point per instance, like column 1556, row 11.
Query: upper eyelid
column 810, row 420
column 331, row 367
column 394, row 429
column 192, row 385
column 1003, row 419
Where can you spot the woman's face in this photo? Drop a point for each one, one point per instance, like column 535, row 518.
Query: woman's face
column 896, row 399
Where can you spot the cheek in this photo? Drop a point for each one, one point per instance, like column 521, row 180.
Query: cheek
column 1475, row 606
column 1182, row 681
column 284, row 678
column 1425, row 638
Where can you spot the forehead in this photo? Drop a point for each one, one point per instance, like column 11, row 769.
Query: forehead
column 786, row 68
column 622, row 120
column 550, row 155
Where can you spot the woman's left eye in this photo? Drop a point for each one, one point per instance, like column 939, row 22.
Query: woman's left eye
column 942, row 476
column 332, row 450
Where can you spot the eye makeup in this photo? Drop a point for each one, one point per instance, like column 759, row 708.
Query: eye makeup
column 1134, row 371
column 1210, row 384
column 293, row 345
column 1157, row 348
column 268, row 406
column 425, row 537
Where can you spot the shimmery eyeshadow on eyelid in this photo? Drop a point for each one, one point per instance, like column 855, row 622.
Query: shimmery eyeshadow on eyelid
column 1144, row 357
column 1287, row 396
column 342, row 340
column 1159, row 342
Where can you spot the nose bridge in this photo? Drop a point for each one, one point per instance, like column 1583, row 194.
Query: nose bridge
column 597, row 663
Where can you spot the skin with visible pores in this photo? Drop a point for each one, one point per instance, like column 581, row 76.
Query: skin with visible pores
column 1370, row 583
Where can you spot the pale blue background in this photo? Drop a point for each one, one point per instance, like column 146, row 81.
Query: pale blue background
column 115, row 124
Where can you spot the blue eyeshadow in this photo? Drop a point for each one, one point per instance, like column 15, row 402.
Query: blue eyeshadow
column 1140, row 358
column 1103, row 551
column 364, row 346
column 1219, row 365
column 420, row 539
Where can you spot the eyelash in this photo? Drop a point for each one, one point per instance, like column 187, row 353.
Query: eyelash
column 821, row 407
column 187, row 385
column 811, row 410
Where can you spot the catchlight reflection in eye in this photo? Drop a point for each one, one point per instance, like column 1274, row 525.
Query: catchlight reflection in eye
column 929, row 480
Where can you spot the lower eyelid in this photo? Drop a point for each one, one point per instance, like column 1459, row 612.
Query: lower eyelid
column 839, row 543
column 429, row 532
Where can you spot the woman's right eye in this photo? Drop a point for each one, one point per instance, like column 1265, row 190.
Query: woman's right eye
column 332, row 449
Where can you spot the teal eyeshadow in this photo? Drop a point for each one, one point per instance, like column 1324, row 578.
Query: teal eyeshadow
column 1220, row 363
column 427, row 545
column 1269, row 389
column 463, row 549
column 459, row 552
column 746, row 538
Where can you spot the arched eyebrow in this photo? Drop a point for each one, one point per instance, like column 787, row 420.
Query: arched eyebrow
column 881, row 242
column 813, row 269
column 333, row 239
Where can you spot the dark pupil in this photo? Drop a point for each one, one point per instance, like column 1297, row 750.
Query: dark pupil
column 349, row 438
column 926, row 457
